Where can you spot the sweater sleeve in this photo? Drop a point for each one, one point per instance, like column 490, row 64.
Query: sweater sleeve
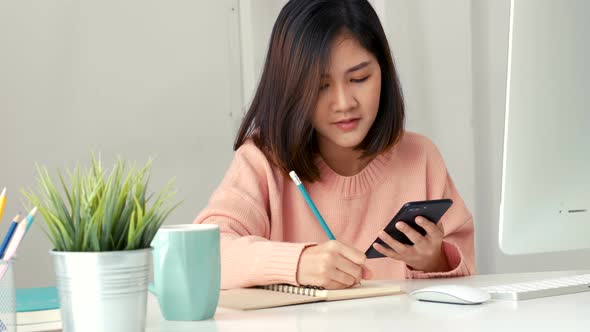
column 457, row 222
column 240, row 207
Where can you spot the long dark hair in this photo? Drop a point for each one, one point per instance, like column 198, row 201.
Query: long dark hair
column 279, row 118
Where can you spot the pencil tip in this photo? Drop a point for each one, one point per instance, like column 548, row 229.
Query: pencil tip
column 33, row 211
column 3, row 192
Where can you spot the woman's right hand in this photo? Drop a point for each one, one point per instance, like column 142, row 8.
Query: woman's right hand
column 331, row 265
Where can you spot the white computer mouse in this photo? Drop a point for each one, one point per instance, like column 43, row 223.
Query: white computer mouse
column 456, row 294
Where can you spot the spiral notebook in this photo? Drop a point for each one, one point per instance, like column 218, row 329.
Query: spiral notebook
column 281, row 295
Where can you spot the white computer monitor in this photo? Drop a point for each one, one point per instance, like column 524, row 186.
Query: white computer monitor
column 545, row 204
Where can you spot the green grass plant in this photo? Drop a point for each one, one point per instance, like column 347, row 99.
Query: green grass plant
column 97, row 210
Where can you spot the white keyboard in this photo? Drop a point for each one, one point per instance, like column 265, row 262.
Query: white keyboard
column 540, row 288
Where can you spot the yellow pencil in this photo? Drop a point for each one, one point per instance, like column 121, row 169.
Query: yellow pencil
column 2, row 202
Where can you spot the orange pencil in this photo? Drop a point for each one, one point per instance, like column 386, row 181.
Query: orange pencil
column 2, row 202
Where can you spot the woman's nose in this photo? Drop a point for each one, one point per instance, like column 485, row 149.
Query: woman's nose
column 343, row 100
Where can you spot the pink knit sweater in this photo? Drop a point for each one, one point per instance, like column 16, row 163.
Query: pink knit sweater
column 265, row 222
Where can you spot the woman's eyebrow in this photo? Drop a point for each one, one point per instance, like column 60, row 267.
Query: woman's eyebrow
column 357, row 67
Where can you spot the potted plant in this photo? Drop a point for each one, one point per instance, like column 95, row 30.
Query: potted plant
column 101, row 226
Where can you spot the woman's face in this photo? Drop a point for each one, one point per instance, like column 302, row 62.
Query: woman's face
column 349, row 96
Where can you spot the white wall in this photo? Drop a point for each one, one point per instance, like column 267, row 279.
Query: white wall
column 431, row 44
column 136, row 78
column 257, row 18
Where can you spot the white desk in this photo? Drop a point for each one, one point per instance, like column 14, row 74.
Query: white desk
column 403, row 313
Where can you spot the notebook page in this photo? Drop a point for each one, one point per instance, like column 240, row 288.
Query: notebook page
column 367, row 288
column 257, row 298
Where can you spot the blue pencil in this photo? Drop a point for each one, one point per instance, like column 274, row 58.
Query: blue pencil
column 30, row 218
column 314, row 209
column 9, row 235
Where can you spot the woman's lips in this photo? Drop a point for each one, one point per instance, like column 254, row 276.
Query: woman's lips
column 347, row 125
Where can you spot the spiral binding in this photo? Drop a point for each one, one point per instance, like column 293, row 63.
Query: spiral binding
column 299, row 290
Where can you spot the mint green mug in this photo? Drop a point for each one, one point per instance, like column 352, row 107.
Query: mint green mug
column 187, row 271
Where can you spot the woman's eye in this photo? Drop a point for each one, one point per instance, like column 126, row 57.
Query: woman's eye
column 359, row 80
column 324, row 86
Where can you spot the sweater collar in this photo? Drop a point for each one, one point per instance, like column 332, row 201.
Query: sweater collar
column 358, row 184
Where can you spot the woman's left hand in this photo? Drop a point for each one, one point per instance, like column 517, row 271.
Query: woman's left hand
column 425, row 255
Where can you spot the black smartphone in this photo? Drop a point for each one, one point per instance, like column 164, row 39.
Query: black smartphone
column 432, row 210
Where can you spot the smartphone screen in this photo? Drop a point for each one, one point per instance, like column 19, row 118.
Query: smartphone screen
column 432, row 210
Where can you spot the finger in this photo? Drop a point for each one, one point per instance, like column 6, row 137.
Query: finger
column 386, row 251
column 354, row 255
column 343, row 278
column 397, row 246
column 367, row 274
column 350, row 268
column 412, row 234
column 334, row 285
column 441, row 227
column 431, row 228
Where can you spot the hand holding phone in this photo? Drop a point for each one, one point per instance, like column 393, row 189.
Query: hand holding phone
column 432, row 210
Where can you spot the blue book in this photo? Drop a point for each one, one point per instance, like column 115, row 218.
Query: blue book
column 36, row 299
column 37, row 309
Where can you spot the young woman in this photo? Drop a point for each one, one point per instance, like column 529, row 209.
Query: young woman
column 329, row 106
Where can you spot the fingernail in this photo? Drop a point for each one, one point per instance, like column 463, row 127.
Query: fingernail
column 419, row 220
column 399, row 225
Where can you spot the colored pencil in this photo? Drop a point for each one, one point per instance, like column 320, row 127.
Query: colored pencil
column 8, row 235
column 30, row 218
column 18, row 236
column 311, row 205
column 2, row 202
